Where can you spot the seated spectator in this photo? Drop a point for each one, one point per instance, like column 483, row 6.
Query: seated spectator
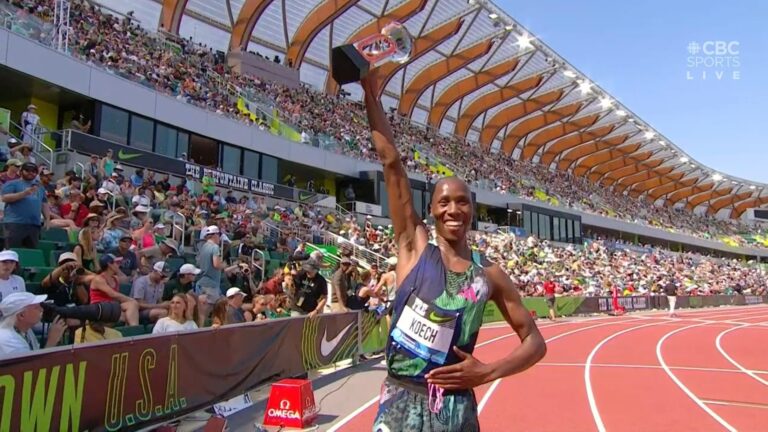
column 148, row 290
column 68, row 283
column 184, row 283
column 177, row 319
column 160, row 252
column 19, row 313
column 105, row 288
column 9, row 282
column 95, row 332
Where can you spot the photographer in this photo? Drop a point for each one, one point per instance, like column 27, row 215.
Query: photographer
column 241, row 275
column 19, row 313
column 67, row 290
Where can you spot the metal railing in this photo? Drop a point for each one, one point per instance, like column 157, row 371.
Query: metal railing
column 360, row 253
column 32, row 139
column 254, row 263
column 182, row 228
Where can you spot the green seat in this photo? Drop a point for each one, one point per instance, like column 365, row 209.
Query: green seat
column 34, row 288
column 36, row 274
column 47, row 247
column 31, row 258
column 128, row 331
column 125, row 289
column 56, row 235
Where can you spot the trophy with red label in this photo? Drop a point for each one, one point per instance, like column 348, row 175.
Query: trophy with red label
column 352, row 62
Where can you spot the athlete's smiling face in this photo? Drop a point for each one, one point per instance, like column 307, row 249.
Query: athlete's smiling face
column 452, row 208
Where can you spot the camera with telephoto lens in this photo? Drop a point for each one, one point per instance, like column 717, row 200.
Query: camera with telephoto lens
column 90, row 312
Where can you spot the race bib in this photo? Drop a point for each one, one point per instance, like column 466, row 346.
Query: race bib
column 425, row 331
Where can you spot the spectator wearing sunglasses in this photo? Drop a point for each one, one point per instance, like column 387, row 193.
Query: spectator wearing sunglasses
column 148, row 290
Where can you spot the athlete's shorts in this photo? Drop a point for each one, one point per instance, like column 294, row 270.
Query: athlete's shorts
column 407, row 409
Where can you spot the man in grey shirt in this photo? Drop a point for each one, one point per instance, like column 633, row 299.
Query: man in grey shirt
column 211, row 264
column 147, row 290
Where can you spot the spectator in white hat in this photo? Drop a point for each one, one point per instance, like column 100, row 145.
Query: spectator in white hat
column 9, row 282
column 235, row 313
column 19, row 313
column 211, row 264
column 29, row 123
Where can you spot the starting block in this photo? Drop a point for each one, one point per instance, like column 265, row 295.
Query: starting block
column 291, row 404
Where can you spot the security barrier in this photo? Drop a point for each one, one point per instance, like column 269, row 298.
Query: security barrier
column 137, row 382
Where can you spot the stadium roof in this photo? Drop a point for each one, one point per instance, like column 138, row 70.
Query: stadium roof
column 478, row 73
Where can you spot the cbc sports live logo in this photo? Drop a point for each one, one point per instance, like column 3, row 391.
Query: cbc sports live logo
column 713, row 60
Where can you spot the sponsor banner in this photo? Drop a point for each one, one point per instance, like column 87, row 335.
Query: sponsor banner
column 487, row 227
column 133, row 383
column 367, row 208
column 89, row 144
column 634, row 303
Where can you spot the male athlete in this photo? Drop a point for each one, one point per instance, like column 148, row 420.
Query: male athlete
column 438, row 309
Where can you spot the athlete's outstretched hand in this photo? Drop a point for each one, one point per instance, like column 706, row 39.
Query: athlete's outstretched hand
column 467, row 374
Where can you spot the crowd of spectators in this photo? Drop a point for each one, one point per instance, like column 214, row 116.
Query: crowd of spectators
column 190, row 72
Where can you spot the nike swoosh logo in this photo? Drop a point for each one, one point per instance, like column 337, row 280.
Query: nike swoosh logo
column 327, row 346
column 302, row 196
column 125, row 156
column 438, row 319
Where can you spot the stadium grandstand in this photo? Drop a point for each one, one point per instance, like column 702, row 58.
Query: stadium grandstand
column 179, row 144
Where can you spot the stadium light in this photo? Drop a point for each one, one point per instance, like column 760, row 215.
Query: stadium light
column 621, row 113
column 649, row 134
column 570, row 74
column 717, row 177
column 493, row 15
column 684, row 159
column 605, row 102
column 752, row 187
column 663, row 143
column 509, row 27
column 524, row 41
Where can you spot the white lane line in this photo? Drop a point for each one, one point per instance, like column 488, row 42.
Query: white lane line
column 682, row 386
column 739, row 404
column 495, row 384
column 731, row 360
column 588, row 382
column 353, row 414
column 641, row 366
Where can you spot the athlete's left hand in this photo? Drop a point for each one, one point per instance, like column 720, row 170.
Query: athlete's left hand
column 467, row 374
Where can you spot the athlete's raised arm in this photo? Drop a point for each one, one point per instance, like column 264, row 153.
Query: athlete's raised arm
column 410, row 234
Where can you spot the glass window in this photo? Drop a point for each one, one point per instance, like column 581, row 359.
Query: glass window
column 383, row 198
column 268, row 169
column 182, row 144
column 165, row 140
column 569, row 230
column 251, row 164
column 114, row 124
column 563, row 233
column 544, row 227
column 534, row 225
column 204, row 151
column 576, row 231
column 556, row 229
column 230, row 159
column 527, row 221
column 417, row 204
column 142, row 132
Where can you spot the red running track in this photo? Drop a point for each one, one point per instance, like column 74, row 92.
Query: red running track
column 706, row 370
